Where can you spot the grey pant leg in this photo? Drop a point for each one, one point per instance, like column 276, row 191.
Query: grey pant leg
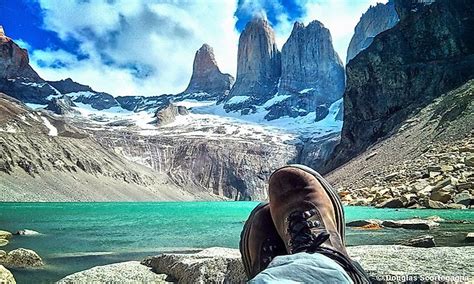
column 302, row 268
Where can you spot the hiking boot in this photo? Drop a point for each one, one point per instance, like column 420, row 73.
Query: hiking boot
column 309, row 217
column 259, row 241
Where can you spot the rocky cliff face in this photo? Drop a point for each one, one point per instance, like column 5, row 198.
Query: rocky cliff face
column 206, row 77
column 312, row 73
column 44, row 158
column 258, row 67
column 430, row 51
column 17, row 78
column 234, row 168
column 377, row 19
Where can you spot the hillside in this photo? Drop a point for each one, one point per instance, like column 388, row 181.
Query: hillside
column 44, row 158
column 427, row 162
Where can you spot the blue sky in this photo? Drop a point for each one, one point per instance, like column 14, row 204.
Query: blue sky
column 146, row 47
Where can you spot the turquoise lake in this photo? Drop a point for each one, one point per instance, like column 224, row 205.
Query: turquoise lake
column 78, row 236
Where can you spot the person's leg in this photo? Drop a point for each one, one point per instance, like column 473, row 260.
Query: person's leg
column 305, row 239
column 302, row 268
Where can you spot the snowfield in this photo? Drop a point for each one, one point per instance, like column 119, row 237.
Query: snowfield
column 209, row 120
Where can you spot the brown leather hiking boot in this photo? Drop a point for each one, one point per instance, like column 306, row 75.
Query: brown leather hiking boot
column 259, row 241
column 309, row 217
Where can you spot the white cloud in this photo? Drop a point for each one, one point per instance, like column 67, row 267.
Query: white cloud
column 152, row 43
column 23, row 44
column 148, row 45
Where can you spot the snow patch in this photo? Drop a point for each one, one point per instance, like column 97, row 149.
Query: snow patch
column 237, row 100
column 193, row 103
column 304, row 91
column 33, row 84
column 35, row 106
column 276, row 99
column 53, row 131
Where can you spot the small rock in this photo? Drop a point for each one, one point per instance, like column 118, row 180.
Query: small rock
column 465, row 186
column 441, row 196
column 371, row 155
column 434, row 168
column 435, row 204
column 447, row 168
column 443, row 183
column 391, row 176
column 455, row 206
column 3, row 242
column 434, row 174
column 470, row 237
column 361, row 223
column 23, row 258
column 27, row 232
column 6, row 277
column 469, row 161
column 391, row 203
column 371, row 227
column 5, row 235
column 463, row 198
column 426, row 241
column 2, row 254
column 466, row 149
column 436, row 219
column 416, row 206
column 411, row 224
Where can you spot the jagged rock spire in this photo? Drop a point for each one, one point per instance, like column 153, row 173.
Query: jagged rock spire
column 258, row 64
column 206, row 75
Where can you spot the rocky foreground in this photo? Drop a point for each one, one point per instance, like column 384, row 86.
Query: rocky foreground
column 223, row 265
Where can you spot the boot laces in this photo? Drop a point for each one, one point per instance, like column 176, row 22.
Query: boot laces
column 302, row 238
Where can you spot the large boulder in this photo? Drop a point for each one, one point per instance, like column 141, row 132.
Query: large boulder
column 212, row 265
column 411, row 224
column 395, row 202
column 6, row 277
column 23, row 258
column 169, row 113
column 426, row 241
column 124, row 272
column 223, row 265
column 362, row 223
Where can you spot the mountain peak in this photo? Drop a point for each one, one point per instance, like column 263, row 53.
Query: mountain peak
column 206, row 75
column 2, row 31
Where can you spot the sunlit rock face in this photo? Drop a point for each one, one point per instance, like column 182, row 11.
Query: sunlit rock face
column 312, row 75
column 377, row 19
column 206, row 77
column 258, row 67
column 428, row 53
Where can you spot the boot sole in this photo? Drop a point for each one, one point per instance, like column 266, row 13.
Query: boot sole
column 333, row 196
column 244, row 235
